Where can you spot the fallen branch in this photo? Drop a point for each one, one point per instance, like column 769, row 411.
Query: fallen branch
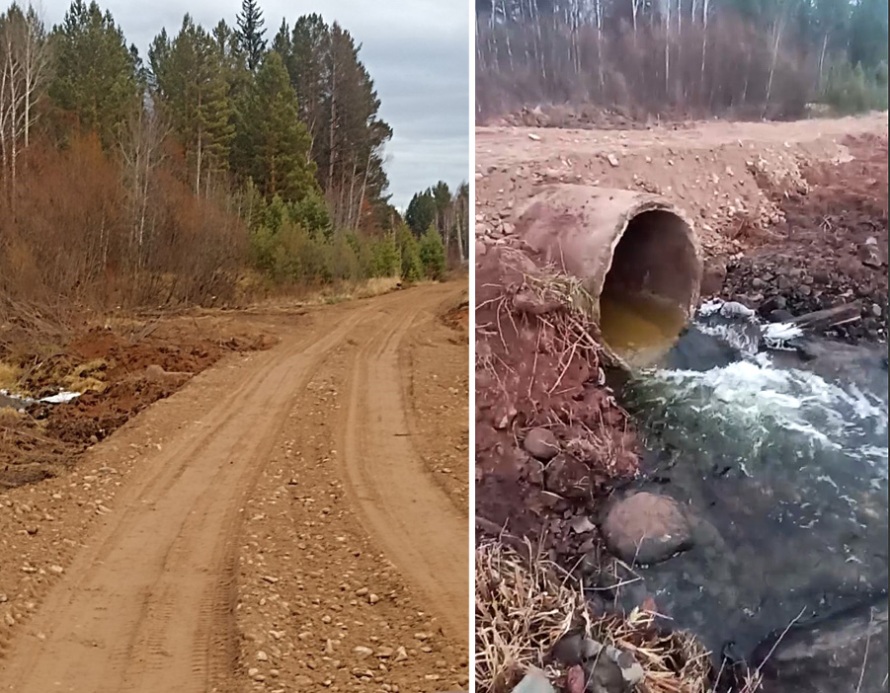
column 829, row 317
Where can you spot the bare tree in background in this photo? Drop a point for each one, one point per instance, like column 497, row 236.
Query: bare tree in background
column 24, row 71
column 142, row 154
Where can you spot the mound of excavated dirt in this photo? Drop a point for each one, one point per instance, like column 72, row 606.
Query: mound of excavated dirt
column 830, row 250
column 538, row 366
column 721, row 174
column 121, row 370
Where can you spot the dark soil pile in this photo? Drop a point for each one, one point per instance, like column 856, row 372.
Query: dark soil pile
column 831, row 249
column 121, row 371
column 539, row 370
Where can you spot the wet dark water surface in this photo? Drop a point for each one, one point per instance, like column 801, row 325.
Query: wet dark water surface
column 782, row 463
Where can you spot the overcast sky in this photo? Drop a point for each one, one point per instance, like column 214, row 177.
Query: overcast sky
column 417, row 52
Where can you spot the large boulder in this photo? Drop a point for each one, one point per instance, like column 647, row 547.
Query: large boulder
column 646, row 528
column 846, row 651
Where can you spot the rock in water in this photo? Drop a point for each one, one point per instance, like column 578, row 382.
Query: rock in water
column 646, row 528
column 829, row 655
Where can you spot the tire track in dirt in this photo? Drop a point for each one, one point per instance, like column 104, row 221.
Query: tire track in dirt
column 422, row 531
column 148, row 606
column 326, row 597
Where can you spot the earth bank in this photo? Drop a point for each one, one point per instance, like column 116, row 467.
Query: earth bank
column 789, row 221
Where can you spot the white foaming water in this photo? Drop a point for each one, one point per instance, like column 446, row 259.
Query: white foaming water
column 754, row 396
column 752, row 402
column 746, row 332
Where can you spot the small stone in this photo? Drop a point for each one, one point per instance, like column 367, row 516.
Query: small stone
column 532, row 136
column 575, row 649
column 262, row 656
column 870, row 255
column 385, row 652
column 57, row 569
column 361, row 592
column 631, row 670
column 581, row 524
column 363, row 652
column 604, row 676
column 569, row 477
column 401, row 654
column 541, row 444
column 613, row 160
column 373, row 598
column 534, row 682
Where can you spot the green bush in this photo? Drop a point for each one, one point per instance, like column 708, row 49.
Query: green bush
column 432, row 253
column 386, row 257
column 850, row 89
column 412, row 267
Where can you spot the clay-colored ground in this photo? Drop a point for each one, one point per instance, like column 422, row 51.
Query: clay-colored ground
column 271, row 526
column 715, row 171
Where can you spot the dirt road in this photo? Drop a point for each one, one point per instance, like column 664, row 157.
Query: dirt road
column 258, row 490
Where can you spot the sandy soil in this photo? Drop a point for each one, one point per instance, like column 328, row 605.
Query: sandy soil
column 716, row 171
column 271, row 526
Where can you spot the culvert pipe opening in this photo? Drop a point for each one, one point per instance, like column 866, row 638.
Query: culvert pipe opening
column 648, row 290
column 637, row 255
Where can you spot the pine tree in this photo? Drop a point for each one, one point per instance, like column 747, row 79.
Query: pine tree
column 421, row 212
column 95, row 71
column 412, row 267
column 251, row 33
column 339, row 105
column 190, row 76
column 432, row 253
column 274, row 144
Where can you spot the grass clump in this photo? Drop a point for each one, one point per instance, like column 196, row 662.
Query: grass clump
column 525, row 604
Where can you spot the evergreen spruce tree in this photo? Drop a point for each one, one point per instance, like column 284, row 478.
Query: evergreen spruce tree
column 251, row 33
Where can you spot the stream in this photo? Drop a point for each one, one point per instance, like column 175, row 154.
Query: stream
column 782, row 461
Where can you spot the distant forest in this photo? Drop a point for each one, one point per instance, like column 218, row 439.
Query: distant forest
column 227, row 155
column 682, row 58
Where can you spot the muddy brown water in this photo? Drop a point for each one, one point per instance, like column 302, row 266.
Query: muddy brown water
column 639, row 329
column 784, row 462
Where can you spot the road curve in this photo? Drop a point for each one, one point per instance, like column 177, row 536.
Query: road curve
column 147, row 605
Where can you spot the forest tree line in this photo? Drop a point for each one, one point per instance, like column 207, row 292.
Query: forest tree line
column 226, row 154
column 682, row 58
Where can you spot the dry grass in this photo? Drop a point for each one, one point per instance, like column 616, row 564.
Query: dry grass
column 523, row 607
column 341, row 293
column 9, row 376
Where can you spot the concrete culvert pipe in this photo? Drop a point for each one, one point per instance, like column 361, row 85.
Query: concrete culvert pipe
column 636, row 254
